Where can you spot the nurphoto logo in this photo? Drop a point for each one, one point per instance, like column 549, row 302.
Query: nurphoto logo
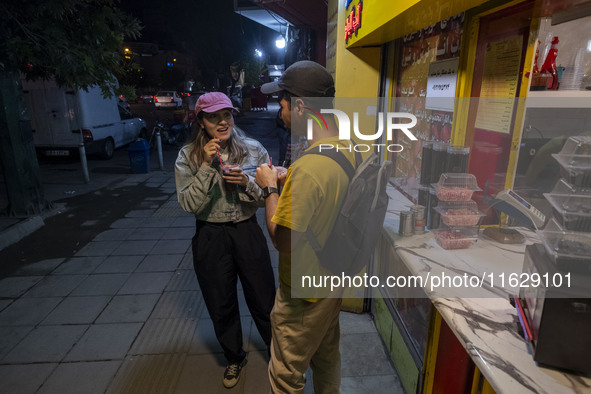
column 390, row 119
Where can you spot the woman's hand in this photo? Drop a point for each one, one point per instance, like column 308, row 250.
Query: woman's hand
column 211, row 150
column 281, row 175
column 234, row 174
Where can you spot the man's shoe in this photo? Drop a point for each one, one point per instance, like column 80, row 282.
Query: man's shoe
column 232, row 374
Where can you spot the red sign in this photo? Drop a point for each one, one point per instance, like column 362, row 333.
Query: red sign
column 353, row 21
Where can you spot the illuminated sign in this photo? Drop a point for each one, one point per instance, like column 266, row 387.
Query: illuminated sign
column 353, row 21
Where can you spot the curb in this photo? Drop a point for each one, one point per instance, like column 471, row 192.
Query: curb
column 20, row 230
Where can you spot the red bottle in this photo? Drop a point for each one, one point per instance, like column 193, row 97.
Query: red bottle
column 549, row 65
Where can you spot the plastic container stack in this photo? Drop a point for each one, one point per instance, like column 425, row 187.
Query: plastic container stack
column 458, row 214
column 438, row 157
column 567, row 236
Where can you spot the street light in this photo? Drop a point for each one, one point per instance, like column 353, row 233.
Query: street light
column 258, row 53
column 280, row 42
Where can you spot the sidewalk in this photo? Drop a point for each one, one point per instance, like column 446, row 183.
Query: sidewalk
column 122, row 313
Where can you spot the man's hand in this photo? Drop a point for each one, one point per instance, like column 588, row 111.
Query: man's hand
column 266, row 176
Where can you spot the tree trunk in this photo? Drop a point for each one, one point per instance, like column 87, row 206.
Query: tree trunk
column 17, row 151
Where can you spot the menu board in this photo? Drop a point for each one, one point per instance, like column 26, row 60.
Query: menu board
column 500, row 80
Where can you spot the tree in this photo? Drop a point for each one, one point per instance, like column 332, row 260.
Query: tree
column 76, row 43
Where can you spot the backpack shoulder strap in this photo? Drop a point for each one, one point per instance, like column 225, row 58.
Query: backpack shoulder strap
column 346, row 165
column 340, row 158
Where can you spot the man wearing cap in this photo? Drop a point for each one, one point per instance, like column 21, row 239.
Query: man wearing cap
column 304, row 321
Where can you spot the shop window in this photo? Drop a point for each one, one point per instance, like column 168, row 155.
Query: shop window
column 425, row 57
column 554, row 113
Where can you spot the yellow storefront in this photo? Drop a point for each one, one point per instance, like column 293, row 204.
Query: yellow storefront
column 479, row 51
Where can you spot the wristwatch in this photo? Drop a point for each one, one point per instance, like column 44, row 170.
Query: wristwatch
column 267, row 191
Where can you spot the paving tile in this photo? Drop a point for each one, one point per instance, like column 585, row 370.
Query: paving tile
column 98, row 248
column 129, row 248
column 128, row 223
column 5, row 302
column 242, row 306
column 161, row 336
column 205, row 371
column 158, row 222
column 255, row 374
column 83, row 377
column 28, row 311
column 160, row 262
column 372, row 384
column 77, row 310
column 364, row 354
column 116, row 234
column 252, row 338
column 204, row 340
column 129, row 308
column 187, row 262
column 183, row 280
column 244, row 311
column 179, row 304
column 15, row 286
column 178, row 233
column 145, row 234
column 45, row 344
column 55, row 286
column 101, row 284
column 146, row 283
column 104, row 342
column 356, row 323
column 10, row 337
column 171, row 246
column 43, row 267
column 140, row 213
column 149, row 374
column 79, row 265
column 23, row 379
column 185, row 221
column 158, row 198
column 119, row 264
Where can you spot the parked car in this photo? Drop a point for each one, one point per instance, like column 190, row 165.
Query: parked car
column 147, row 98
column 62, row 119
column 168, row 98
column 123, row 102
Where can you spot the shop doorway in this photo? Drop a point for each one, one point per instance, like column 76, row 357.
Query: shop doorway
column 498, row 68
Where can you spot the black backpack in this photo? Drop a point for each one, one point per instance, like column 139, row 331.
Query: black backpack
column 358, row 226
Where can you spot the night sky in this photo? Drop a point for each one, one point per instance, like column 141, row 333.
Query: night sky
column 209, row 29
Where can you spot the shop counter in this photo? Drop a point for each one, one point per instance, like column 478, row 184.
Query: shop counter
column 481, row 317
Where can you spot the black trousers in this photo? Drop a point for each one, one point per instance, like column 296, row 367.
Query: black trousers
column 222, row 252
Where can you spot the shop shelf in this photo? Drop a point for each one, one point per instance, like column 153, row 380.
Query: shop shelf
column 570, row 251
column 562, row 187
column 571, row 212
column 456, row 237
column 577, row 145
column 459, row 213
column 456, row 187
column 576, row 169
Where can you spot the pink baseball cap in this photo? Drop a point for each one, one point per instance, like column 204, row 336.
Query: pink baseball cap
column 214, row 101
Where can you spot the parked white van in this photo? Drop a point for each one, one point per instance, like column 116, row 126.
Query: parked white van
column 61, row 119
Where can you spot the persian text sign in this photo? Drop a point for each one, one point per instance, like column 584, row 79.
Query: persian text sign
column 353, row 21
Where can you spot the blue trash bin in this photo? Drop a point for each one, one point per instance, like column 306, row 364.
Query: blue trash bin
column 139, row 156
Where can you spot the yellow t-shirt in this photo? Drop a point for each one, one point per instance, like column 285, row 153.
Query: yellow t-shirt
column 314, row 190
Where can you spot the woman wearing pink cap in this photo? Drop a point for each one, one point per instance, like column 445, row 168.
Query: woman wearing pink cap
column 228, row 242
